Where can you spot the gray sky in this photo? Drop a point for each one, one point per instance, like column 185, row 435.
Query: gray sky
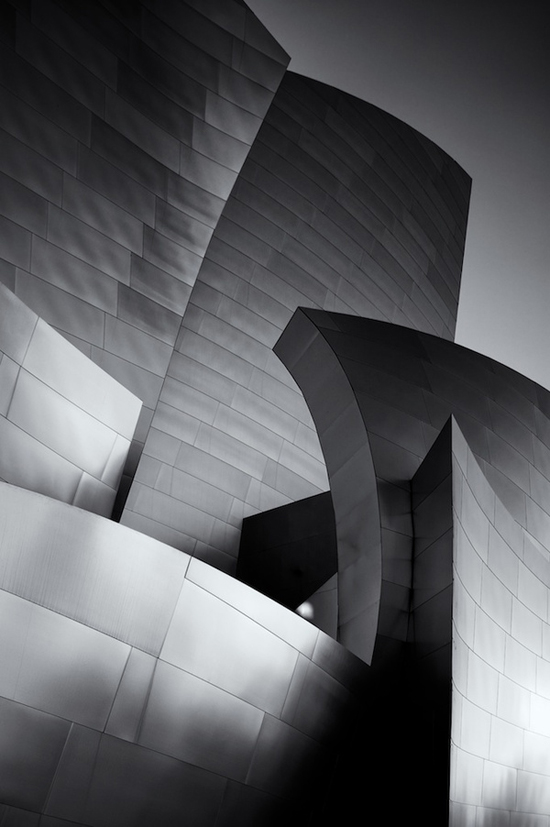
column 474, row 76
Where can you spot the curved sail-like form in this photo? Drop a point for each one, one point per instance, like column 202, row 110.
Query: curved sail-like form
column 447, row 452
column 338, row 206
column 138, row 684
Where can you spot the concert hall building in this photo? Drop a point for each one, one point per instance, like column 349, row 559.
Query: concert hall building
column 272, row 546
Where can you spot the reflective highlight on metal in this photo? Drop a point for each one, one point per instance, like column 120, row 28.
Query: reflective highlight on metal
column 65, row 424
column 461, row 612
column 338, row 206
column 136, row 687
column 123, row 130
column 169, row 198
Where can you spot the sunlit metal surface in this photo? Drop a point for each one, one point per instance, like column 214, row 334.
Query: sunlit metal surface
column 123, row 132
column 66, row 424
column 337, row 206
column 141, row 683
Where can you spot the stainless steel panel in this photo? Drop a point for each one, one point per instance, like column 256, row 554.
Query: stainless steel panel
column 251, row 663
column 520, row 664
column 93, row 247
column 14, row 817
column 113, row 182
column 22, row 205
column 213, row 39
column 142, row 383
column 219, row 146
column 18, row 324
column 194, row 62
column 193, row 200
column 198, row 723
column 169, row 256
column 37, row 410
column 99, row 212
column 46, row 544
column 48, row 473
column 126, row 156
column 231, row 119
column 317, row 704
column 247, row 806
column 285, row 758
column 115, row 463
column 503, row 561
column 44, row 95
column 290, row 485
column 76, row 40
column 149, row 100
column 75, row 772
column 131, row 123
column 197, row 462
column 273, row 617
column 248, row 431
column 181, row 88
column 60, row 67
column 243, row 91
column 95, row 496
column 27, row 156
column 132, row 694
column 526, row 627
column 182, row 228
column 205, row 173
column 69, row 670
column 136, row 787
column 262, row 68
column 159, row 285
column 509, row 461
column 432, row 622
column 432, row 569
column 15, row 619
column 62, row 310
column 7, row 275
column 136, row 346
column 32, row 743
column 231, row 450
column 80, row 381
column 8, row 377
column 73, row 275
column 198, row 494
column 175, row 422
column 149, row 316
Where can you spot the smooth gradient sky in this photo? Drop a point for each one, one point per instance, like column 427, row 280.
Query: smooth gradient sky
column 474, row 76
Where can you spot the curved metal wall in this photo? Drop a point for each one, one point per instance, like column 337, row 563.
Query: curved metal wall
column 65, row 424
column 340, row 206
column 464, row 546
column 123, row 128
column 402, row 386
column 139, row 686
column 500, row 740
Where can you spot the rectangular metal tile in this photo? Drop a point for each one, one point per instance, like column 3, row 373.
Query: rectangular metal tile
column 96, row 249
column 32, row 745
column 199, row 723
column 251, row 662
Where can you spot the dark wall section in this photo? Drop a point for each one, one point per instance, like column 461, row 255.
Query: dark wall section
column 338, row 206
column 290, row 552
column 123, row 128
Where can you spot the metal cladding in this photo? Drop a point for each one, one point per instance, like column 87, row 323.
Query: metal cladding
column 168, row 198
column 140, row 686
column 338, row 206
column 123, row 128
column 438, row 463
column 65, row 424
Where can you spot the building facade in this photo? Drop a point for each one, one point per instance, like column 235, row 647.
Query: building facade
column 229, row 297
